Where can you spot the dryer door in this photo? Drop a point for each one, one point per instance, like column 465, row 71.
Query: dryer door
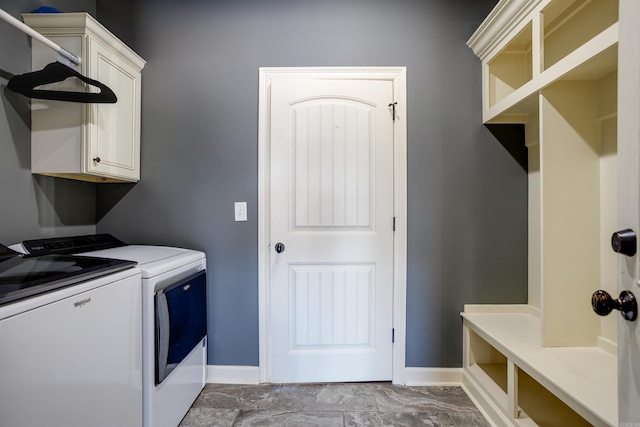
column 180, row 322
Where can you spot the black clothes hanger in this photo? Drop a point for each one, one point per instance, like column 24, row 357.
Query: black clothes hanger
column 57, row 72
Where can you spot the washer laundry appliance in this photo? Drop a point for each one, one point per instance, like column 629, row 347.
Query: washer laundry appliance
column 70, row 341
column 174, row 320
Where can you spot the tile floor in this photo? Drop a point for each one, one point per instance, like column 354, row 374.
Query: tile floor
column 339, row 405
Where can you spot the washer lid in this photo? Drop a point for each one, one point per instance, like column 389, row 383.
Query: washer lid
column 24, row 276
column 152, row 260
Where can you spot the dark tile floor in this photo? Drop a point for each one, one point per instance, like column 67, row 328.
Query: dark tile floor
column 339, row 405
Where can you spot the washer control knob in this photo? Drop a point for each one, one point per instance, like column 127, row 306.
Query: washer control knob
column 624, row 242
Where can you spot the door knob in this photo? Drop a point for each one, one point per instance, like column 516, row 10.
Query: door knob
column 624, row 242
column 602, row 303
column 279, row 247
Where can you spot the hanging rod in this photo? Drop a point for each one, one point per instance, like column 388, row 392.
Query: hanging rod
column 63, row 54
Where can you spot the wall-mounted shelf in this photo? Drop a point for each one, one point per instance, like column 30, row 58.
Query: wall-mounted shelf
column 510, row 69
column 594, row 59
column 570, row 24
column 527, row 45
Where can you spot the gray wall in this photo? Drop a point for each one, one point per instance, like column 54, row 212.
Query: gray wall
column 33, row 206
column 467, row 196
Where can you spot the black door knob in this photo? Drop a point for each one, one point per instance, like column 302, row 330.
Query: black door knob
column 602, row 303
column 624, row 242
column 279, row 247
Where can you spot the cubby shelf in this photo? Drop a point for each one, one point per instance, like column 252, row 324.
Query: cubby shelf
column 594, row 59
column 581, row 381
column 552, row 65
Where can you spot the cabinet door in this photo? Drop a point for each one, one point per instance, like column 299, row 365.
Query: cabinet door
column 112, row 145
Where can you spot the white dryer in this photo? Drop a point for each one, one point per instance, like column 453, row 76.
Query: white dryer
column 174, row 328
column 174, row 319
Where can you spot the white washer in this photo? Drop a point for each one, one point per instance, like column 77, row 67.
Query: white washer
column 162, row 267
column 72, row 357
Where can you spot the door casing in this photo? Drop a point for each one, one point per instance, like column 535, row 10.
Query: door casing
column 397, row 75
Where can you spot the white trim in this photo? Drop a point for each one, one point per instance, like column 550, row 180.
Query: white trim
column 500, row 23
column 220, row 374
column 264, row 317
column 502, row 308
column 433, row 376
column 398, row 76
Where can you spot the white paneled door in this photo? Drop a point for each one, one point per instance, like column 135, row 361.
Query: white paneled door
column 331, row 230
column 629, row 207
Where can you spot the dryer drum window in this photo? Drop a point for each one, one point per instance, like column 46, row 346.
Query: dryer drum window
column 180, row 322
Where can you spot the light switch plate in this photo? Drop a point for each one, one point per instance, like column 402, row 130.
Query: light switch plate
column 241, row 211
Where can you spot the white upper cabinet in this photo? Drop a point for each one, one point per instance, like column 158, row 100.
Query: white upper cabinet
column 88, row 142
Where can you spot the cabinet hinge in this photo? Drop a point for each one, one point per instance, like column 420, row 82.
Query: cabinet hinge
column 393, row 110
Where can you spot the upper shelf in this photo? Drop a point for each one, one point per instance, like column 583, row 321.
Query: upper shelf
column 527, row 45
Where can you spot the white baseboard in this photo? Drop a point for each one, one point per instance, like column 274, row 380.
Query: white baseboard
column 233, row 374
column 433, row 376
column 219, row 374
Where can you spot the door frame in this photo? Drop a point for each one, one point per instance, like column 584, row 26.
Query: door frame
column 397, row 75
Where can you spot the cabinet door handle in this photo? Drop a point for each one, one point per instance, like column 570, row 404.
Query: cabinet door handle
column 96, row 159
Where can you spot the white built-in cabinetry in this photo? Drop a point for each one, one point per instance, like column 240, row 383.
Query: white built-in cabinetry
column 552, row 66
column 89, row 142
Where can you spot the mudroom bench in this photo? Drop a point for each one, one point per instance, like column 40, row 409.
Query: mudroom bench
column 518, row 382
